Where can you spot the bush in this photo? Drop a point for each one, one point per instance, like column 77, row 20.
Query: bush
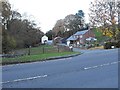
column 109, row 44
column 118, row 36
column 8, row 42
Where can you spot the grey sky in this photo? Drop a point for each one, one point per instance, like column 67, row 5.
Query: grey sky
column 47, row 12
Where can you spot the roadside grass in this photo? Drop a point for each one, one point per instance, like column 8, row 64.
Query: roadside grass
column 36, row 50
column 41, row 53
column 32, row 58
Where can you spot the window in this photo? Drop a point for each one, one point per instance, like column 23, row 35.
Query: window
column 81, row 36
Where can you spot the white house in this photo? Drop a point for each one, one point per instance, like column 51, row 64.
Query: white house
column 44, row 39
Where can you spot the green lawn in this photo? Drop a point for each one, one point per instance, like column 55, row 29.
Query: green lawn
column 36, row 50
column 38, row 57
column 40, row 53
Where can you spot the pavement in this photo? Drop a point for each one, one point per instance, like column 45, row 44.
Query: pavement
column 92, row 69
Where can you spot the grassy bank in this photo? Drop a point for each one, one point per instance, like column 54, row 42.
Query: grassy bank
column 32, row 58
column 43, row 52
column 42, row 49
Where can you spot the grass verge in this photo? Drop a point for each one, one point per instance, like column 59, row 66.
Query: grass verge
column 32, row 58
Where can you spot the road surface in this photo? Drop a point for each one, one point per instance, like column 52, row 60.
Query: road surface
column 92, row 69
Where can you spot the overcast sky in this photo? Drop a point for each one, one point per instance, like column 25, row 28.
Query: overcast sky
column 47, row 12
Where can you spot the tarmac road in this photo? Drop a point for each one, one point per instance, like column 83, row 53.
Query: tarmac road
column 92, row 69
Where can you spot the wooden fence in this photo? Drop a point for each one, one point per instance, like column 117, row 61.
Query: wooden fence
column 36, row 51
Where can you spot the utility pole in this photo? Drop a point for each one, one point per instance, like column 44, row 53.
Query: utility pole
column 118, row 9
column 0, row 30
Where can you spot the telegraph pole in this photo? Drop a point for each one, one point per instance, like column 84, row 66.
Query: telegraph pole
column 0, row 28
column 118, row 6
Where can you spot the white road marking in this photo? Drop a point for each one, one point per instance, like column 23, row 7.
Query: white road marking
column 31, row 78
column 94, row 66
column 87, row 68
column 101, row 65
column 114, row 62
column 24, row 79
column 106, row 64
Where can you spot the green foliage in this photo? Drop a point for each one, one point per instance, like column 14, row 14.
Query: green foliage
column 118, row 36
column 97, row 32
column 104, row 14
column 12, row 42
column 17, row 32
column 50, row 34
column 80, row 13
column 8, row 42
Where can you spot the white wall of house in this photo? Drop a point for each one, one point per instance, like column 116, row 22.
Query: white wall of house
column 68, row 43
column 78, row 42
column 44, row 39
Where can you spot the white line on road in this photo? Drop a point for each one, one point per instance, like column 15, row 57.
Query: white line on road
column 87, row 68
column 95, row 66
column 24, row 79
column 114, row 62
column 31, row 78
column 106, row 64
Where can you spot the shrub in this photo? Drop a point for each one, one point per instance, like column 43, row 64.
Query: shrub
column 109, row 44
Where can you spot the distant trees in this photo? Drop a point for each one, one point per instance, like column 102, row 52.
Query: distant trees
column 59, row 27
column 17, row 32
column 104, row 14
column 69, row 25
column 50, row 34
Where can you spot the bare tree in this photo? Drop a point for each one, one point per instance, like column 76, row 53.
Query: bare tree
column 59, row 27
column 104, row 13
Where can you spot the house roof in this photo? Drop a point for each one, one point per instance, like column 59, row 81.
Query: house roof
column 44, row 37
column 77, row 33
column 81, row 32
column 71, row 38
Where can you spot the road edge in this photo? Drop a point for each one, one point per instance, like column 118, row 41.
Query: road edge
column 47, row 59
